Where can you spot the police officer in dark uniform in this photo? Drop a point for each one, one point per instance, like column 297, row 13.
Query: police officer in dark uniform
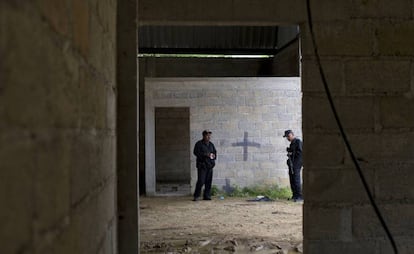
column 295, row 165
column 206, row 156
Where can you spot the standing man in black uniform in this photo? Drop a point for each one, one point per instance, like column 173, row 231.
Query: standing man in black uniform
column 295, row 165
column 206, row 155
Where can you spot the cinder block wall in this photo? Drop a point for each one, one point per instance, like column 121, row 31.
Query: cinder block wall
column 261, row 107
column 57, row 127
column 285, row 64
column 367, row 53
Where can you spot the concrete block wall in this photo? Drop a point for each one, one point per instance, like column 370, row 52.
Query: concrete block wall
column 285, row 64
column 366, row 51
column 57, row 127
column 261, row 108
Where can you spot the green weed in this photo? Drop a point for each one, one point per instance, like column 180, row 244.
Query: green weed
column 271, row 191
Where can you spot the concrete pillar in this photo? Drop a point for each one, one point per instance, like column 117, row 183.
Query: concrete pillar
column 127, row 127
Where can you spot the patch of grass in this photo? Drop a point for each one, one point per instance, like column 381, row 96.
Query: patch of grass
column 238, row 192
column 271, row 191
column 215, row 191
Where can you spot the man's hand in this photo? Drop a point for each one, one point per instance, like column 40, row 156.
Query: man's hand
column 212, row 156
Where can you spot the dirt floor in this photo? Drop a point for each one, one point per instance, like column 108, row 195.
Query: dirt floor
column 179, row 225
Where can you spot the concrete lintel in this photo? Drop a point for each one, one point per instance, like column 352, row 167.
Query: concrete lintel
column 221, row 12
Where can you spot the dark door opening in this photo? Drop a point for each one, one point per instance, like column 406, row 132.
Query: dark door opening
column 172, row 151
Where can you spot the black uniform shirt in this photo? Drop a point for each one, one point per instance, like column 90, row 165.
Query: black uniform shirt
column 202, row 150
column 296, row 149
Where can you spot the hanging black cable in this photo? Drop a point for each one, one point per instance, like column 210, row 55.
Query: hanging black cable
column 342, row 131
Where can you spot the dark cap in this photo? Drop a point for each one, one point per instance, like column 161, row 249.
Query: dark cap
column 205, row 132
column 287, row 132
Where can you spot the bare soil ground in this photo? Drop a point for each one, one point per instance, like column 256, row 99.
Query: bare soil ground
column 179, row 225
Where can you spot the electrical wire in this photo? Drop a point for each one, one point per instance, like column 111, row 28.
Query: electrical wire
column 342, row 131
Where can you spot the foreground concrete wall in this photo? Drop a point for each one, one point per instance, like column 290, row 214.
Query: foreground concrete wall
column 237, row 110
column 57, row 127
column 368, row 61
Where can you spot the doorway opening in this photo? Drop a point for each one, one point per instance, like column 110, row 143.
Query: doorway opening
column 248, row 102
column 172, row 150
column 196, row 51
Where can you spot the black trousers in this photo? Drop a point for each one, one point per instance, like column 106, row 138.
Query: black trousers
column 295, row 183
column 204, row 177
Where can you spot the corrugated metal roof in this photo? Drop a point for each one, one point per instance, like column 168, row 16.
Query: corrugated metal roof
column 213, row 39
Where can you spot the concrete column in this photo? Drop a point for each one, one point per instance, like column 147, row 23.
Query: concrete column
column 127, row 127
